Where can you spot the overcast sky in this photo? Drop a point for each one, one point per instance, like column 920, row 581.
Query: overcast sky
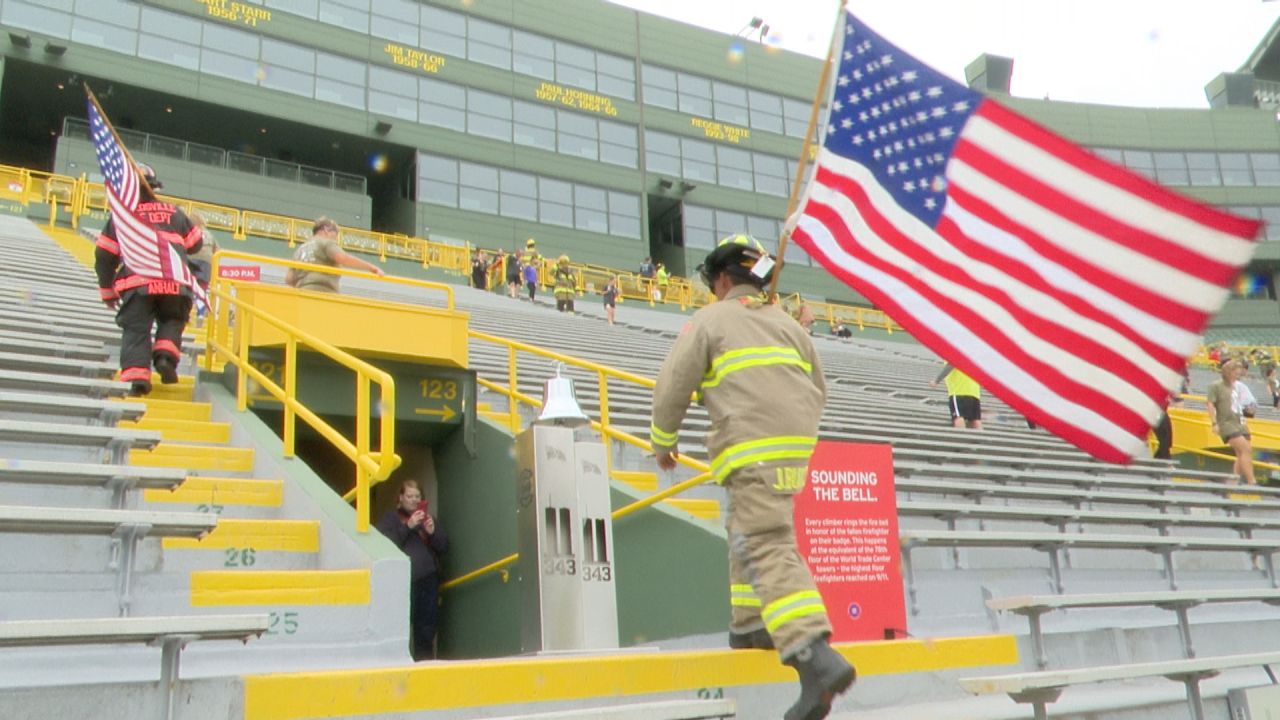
column 1149, row 53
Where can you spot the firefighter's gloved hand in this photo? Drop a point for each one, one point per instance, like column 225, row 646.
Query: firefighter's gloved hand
column 666, row 460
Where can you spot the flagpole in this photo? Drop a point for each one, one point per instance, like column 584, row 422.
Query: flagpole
column 128, row 155
column 806, row 149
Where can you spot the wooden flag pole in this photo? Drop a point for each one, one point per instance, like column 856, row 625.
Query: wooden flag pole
column 794, row 200
column 128, row 155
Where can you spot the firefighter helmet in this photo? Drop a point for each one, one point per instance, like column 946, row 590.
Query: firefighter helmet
column 737, row 255
column 149, row 175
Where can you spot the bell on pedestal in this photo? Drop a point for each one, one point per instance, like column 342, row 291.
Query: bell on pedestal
column 560, row 403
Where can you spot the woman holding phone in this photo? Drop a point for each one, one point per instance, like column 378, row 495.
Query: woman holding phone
column 414, row 531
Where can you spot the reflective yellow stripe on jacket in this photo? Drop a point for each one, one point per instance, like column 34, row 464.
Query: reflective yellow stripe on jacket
column 748, row 357
column 777, row 613
column 766, row 449
column 743, row 596
column 661, row 438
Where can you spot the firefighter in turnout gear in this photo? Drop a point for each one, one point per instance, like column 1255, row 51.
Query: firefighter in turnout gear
column 566, row 284
column 143, row 302
column 757, row 374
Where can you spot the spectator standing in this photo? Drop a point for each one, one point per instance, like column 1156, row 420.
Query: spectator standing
column 664, row 282
column 140, row 301
column 647, row 268
column 566, row 284
column 1273, row 384
column 761, row 382
column 1227, row 407
column 611, row 292
column 513, row 273
column 201, row 261
column 480, row 271
column 323, row 249
column 964, row 397
column 530, row 273
column 531, row 252
column 1163, row 429
column 415, row 532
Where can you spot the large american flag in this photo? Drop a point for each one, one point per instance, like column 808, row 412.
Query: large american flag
column 1070, row 287
column 147, row 251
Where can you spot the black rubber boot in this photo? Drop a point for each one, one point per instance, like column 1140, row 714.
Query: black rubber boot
column 754, row 640
column 139, row 388
column 824, row 673
column 167, row 367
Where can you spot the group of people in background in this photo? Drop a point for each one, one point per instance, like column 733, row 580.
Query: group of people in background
column 522, row 273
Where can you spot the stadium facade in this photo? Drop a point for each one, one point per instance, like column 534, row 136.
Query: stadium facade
column 605, row 133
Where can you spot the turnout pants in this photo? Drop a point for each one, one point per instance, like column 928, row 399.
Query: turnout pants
column 137, row 314
column 770, row 585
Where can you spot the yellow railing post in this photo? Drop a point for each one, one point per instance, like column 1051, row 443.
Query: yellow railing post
column 512, row 403
column 242, row 352
column 290, row 391
column 362, row 451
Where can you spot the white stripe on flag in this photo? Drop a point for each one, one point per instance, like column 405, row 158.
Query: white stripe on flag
column 1097, row 250
column 1027, row 387
column 1141, row 323
column 1106, row 198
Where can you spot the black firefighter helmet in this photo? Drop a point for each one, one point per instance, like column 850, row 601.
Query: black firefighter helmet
column 149, row 175
column 742, row 256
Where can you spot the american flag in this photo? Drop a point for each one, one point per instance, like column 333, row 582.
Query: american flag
column 1071, row 288
column 144, row 249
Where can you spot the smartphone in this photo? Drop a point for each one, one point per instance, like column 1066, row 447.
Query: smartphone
column 422, row 505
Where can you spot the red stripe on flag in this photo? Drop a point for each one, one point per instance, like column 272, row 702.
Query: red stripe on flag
column 1076, row 304
column 1108, row 279
column 1064, row 336
column 1108, row 172
column 923, row 332
column 1053, row 198
column 992, row 330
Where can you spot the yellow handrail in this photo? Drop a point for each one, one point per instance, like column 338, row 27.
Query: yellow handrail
column 372, row 466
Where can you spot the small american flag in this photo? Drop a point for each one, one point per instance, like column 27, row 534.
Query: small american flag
column 145, row 250
column 1070, row 287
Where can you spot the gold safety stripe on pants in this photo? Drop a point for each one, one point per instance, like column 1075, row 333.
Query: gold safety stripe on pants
column 777, row 613
column 658, row 436
column 749, row 357
column 743, row 596
column 782, row 447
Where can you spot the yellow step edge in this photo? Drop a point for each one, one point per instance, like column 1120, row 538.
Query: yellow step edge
column 202, row 431
column 221, row 491
column 195, row 457
column 173, row 409
column 225, row 588
column 705, row 509
column 487, row 683
column 178, row 391
column 279, row 535
column 639, row 479
column 79, row 247
column 484, row 407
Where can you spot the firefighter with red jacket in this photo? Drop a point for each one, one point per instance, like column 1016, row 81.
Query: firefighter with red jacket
column 143, row 302
column 755, row 370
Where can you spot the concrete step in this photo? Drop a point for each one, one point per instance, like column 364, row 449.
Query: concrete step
column 642, row 480
column 248, row 544
column 697, row 507
column 160, row 408
column 263, row 588
column 220, row 493
column 208, row 458
column 198, row 431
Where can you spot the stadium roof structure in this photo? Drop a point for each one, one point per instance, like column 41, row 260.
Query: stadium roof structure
column 1264, row 61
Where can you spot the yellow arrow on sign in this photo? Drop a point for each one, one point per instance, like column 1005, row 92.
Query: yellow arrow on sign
column 445, row 414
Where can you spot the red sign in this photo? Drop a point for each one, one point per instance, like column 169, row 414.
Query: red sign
column 847, row 531
column 240, row 272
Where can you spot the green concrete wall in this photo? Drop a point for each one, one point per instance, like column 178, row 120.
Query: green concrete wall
column 672, row 571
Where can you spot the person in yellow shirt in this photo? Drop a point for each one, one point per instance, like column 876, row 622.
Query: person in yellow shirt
column 964, row 397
